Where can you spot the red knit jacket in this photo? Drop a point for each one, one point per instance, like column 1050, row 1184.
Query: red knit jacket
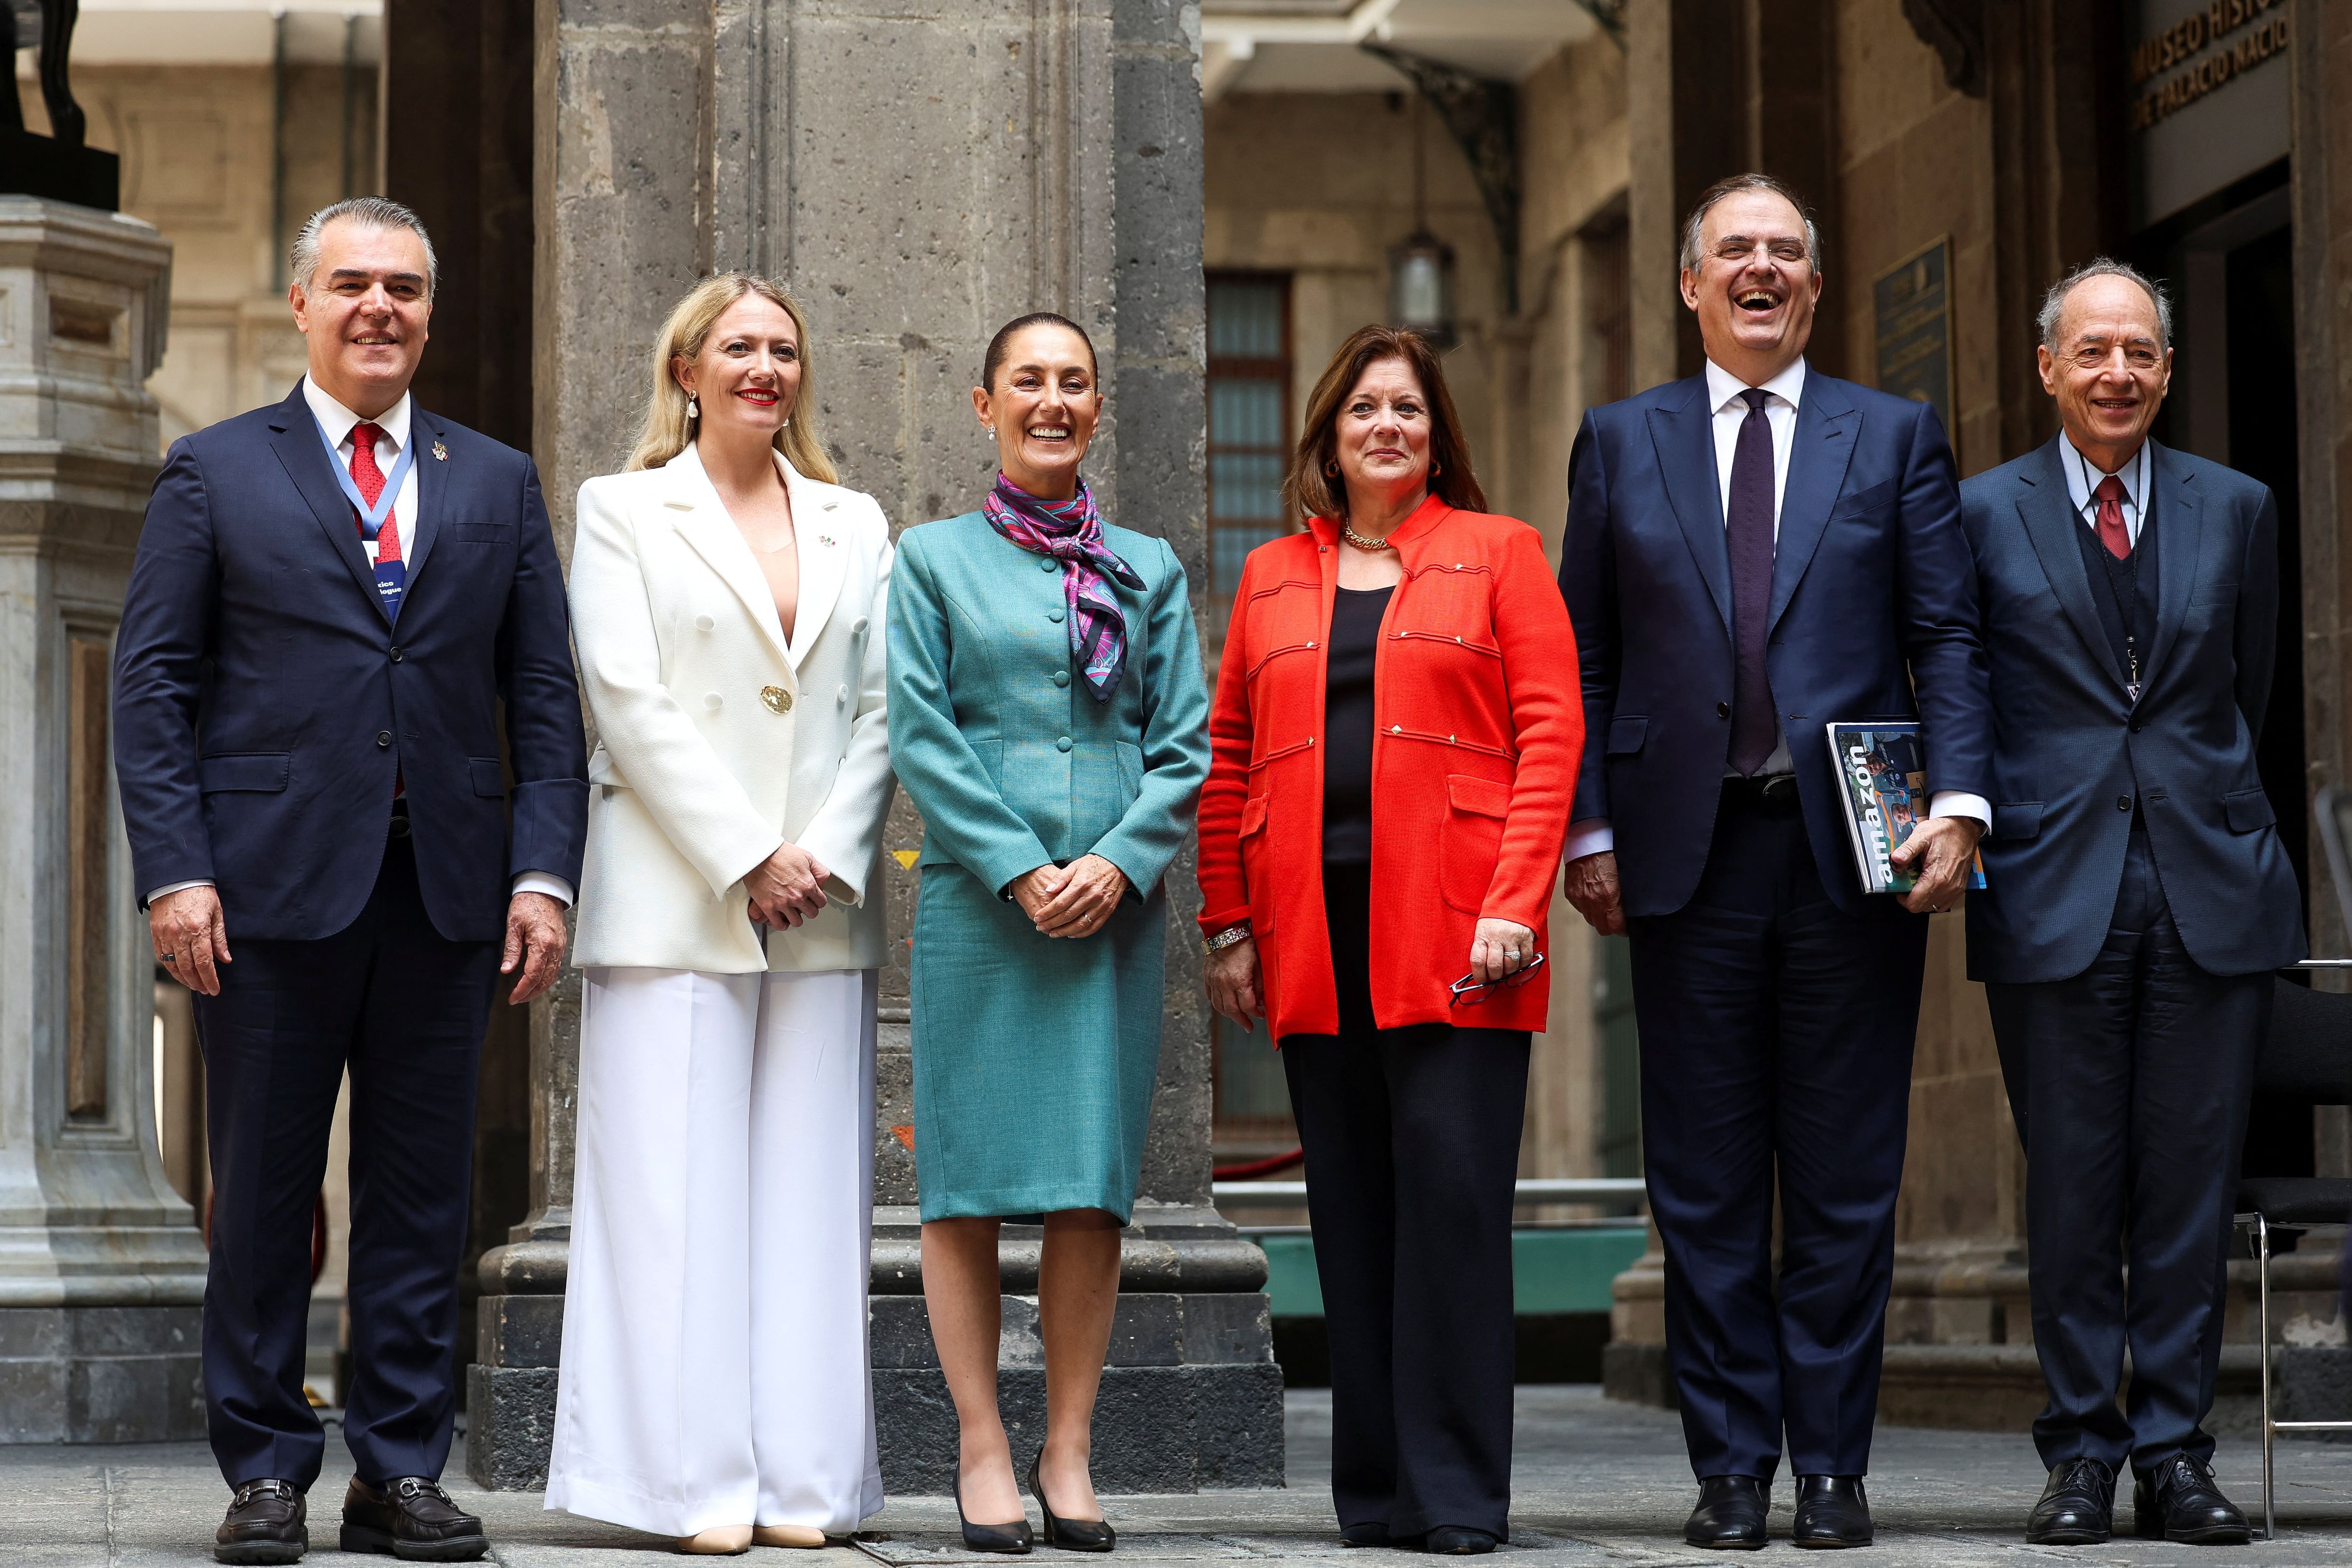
column 1479, row 726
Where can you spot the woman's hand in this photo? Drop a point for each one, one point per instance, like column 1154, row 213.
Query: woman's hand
column 1079, row 903
column 1500, row 950
column 1235, row 983
column 787, row 887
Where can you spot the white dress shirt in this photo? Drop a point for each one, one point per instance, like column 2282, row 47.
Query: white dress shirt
column 339, row 422
column 2080, row 484
column 1785, row 392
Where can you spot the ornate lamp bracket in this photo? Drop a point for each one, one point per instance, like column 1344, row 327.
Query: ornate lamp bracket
column 1482, row 117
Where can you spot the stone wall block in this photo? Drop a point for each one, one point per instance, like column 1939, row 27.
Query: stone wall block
column 894, row 1107
column 509, row 1428
column 519, row 1331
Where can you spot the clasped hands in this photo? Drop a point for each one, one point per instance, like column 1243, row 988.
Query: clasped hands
column 191, row 941
column 1070, row 900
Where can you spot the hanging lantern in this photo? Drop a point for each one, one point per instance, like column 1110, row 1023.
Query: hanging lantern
column 1421, row 287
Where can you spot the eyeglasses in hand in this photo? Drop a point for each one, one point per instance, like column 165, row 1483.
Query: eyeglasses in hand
column 1469, row 991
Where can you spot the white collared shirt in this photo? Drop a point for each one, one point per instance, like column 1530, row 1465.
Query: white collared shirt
column 1786, row 390
column 339, row 422
column 2080, row 484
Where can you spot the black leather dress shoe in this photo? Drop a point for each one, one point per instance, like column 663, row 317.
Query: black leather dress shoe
column 1831, row 1511
column 1012, row 1538
column 2077, row 1506
column 1730, row 1513
column 1068, row 1534
column 1457, row 1541
column 2181, row 1503
column 1371, row 1533
column 413, row 1519
column 264, row 1525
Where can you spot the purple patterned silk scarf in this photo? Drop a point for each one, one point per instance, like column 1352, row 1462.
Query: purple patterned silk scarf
column 1072, row 532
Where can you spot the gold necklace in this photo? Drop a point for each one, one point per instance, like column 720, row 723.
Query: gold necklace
column 1361, row 542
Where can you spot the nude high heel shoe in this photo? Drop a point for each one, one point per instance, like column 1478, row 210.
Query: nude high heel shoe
column 803, row 1536
column 720, row 1540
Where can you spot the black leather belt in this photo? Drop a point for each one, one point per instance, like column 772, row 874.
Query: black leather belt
column 1767, row 789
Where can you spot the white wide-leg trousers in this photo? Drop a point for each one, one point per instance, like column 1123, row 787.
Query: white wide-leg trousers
column 714, row 1317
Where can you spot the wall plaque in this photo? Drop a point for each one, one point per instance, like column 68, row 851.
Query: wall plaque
column 1912, row 310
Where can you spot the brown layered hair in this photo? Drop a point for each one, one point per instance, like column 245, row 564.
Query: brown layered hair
column 1313, row 486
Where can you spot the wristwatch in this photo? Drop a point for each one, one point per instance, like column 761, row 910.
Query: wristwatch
column 1225, row 938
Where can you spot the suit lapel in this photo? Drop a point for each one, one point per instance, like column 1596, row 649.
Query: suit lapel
column 1684, row 438
column 822, row 556
column 432, row 490
column 2180, row 549
column 304, row 454
column 2050, row 519
column 1819, row 455
column 705, row 526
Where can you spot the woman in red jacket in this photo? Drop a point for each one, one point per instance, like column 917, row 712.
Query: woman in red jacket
column 1395, row 743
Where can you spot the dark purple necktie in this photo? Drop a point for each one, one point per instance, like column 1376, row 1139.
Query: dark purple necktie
column 1747, row 530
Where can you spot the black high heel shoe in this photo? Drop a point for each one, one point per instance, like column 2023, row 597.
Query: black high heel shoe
column 1069, row 1535
column 1011, row 1537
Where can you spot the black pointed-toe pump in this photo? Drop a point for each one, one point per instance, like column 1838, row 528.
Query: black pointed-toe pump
column 1069, row 1535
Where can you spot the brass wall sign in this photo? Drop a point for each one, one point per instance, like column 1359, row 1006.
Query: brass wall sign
column 2188, row 39
column 1911, row 307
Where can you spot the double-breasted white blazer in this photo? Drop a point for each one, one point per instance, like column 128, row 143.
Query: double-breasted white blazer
column 718, row 738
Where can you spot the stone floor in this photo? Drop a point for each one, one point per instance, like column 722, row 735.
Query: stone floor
column 1597, row 1483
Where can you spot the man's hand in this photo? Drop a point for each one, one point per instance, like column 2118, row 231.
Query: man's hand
column 190, row 937
column 1942, row 850
column 1089, row 892
column 787, row 887
column 1591, row 884
column 534, row 944
column 1235, row 983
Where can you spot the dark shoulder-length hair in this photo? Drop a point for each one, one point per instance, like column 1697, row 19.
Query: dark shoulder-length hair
column 1313, row 486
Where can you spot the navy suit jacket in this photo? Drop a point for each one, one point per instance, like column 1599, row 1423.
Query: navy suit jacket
column 2072, row 752
column 264, row 702
column 1872, row 598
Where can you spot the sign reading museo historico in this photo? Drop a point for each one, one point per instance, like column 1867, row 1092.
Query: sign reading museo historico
column 2209, row 98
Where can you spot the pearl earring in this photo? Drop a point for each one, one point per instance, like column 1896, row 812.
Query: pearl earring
column 693, row 407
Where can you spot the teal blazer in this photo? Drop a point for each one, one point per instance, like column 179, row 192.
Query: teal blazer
column 1012, row 762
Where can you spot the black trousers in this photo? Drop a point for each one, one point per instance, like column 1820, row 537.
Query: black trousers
column 404, row 1009
column 2130, row 1084
column 1412, row 1149
column 1776, row 1057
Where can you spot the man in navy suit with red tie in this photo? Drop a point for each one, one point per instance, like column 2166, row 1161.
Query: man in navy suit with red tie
column 1752, row 554
column 345, row 627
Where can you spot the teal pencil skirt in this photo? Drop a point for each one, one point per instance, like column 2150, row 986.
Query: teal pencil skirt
column 1035, row 1057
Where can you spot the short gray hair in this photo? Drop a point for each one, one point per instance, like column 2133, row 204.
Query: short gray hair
column 1734, row 186
column 2053, row 304
column 368, row 212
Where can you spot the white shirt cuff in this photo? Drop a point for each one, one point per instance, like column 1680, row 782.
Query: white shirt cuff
column 171, row 887
column 1960, row 803
column 555, row 887
column 1590, row 836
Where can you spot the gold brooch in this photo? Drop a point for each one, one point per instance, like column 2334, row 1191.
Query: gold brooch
column 440, row 453
column 778, row 699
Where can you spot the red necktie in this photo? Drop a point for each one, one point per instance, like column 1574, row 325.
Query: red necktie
column 370, row 479
column 2112, row 533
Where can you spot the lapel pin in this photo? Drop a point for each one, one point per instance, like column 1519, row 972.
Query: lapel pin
column 440, row 453
column 826, row 540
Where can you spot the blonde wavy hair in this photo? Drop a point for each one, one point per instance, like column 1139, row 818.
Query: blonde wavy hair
column 667, row 431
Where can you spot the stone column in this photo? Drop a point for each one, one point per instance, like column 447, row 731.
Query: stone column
column 101, row 1267
column 918, row 174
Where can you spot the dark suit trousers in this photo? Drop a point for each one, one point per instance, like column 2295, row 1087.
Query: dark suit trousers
column 1413, row 1150
column 404, row 1010
column 1776, row 1042
column 2137, row 1073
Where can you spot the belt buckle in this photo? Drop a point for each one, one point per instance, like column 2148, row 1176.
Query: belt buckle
column 399, row 819
column 1777, row 789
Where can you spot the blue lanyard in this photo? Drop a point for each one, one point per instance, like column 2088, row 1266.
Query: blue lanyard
column 372, row 518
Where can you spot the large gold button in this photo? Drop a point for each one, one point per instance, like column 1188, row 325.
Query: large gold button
column 778, row 699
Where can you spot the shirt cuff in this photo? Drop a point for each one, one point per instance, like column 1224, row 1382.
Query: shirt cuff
column 170, row 888
column 555, row 887
column 1960, row 803
column 1590, row 836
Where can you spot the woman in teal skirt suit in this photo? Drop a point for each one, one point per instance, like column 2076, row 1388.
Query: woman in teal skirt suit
column 1049, row 720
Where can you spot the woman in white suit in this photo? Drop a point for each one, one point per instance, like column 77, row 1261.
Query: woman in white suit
column 728, row 598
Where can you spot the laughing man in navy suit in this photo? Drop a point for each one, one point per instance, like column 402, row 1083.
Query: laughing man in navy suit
column 2137, row 899
column 344, row 610
column 1753, row 553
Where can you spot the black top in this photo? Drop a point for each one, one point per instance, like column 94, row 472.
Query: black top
column 2124, row 590
column 1353, row 645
